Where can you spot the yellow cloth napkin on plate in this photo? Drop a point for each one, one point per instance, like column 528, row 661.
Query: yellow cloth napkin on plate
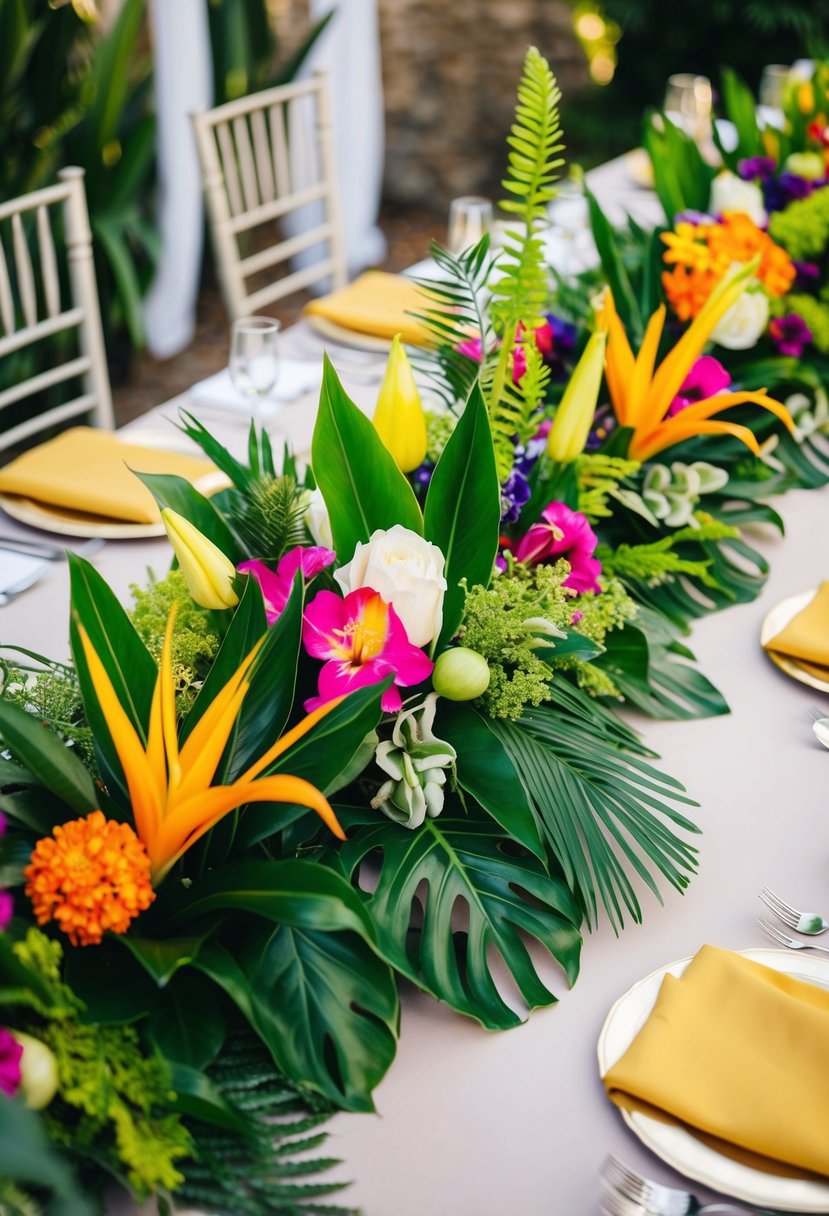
column 739, row 1052
column 806, row 637
column 376, row 303
column 88, row 470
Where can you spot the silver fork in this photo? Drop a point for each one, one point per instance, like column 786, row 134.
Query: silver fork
column 810, row 923
column 626, row 1193
column 783, row 939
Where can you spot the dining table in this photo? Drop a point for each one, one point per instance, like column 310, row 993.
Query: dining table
column 516, row 1123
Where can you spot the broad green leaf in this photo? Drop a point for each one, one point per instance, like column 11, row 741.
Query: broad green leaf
column 323, row 753
column 114, row 987
column 162, row 958
column 613, row 268
column 304, row 894
column 362, row 486
column 461, row 867
column 48, row 757
column 322, row 1002
column 463, row 509
column 197, row 1096
column 599, row 808
column 187, row 1024
column 171, row 491
column 128, row 663
column 486, row 772
column 28, row 1155
column 739, row 108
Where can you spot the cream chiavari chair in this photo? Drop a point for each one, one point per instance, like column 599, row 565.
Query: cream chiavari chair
column 35, row 305
column 264, row 159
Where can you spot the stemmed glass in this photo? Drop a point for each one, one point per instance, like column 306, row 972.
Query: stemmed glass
column 469, row 218
column 254, row 359
column 688, row 102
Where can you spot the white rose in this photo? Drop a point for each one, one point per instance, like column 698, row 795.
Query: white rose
column 731, row 193
column 744, row 323
column 317, row 521
column 407, row 571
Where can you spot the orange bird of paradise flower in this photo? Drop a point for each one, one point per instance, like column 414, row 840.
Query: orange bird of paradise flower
column 641, row 393
column 173, row 799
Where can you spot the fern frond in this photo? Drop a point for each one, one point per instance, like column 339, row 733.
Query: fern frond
column 455, row 314
column 270, row 519
column 514, row 417
column 599, row 479
column 658, row 562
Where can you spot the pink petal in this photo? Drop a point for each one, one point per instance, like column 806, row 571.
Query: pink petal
column 310, row 559
column 275, row 589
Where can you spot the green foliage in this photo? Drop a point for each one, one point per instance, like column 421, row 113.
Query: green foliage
column 194, row 641
column 802, row 229
column 271, row 518
column 463, row 510
column 602, row 810
column 599, row 480
column 360, row 482
column 50, row 691
column 659, row 562
column 739, row 109
column 268, row 1172
column 682, row 178
column 427, row 876
column 28, row 1157
column 514, row 416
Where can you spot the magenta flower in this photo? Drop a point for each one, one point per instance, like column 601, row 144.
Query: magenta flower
column 564, row 533
column 472, row 348
column 790, row 334
column 10, row 1054
column 276, row 587
column 362, row 640
column 706, row 377
column 6, row 909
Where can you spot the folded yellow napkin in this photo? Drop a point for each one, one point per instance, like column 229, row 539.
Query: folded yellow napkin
column 806, row 637
column 739, row 1052
column 376, row 303
column 88, row 470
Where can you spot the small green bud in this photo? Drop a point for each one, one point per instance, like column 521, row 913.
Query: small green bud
column 38, row 1072
column 460, row 674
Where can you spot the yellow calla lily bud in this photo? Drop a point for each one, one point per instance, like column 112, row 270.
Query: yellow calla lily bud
column 574, row 416
column 398, row 416
column 209, row 573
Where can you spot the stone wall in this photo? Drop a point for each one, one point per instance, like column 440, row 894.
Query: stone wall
column 450, row 70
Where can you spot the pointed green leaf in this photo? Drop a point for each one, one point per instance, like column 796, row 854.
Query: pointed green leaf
column 54, row 765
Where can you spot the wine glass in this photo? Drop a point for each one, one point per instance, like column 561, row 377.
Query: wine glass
column 469, row 218
column 688, row 103
column 254, row 359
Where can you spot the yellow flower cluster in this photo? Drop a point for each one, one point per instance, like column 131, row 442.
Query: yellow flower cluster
column 700, row 255
column 90, row 875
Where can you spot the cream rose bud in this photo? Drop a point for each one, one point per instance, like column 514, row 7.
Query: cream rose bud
column 744, row 323
column 407, row 571
column 317, row 521
column 730, row 193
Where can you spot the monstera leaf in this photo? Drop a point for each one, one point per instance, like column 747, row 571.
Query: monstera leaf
column 468, row 869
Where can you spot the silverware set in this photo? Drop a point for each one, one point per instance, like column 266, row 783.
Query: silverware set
column 809, row 924
column 627, row 1193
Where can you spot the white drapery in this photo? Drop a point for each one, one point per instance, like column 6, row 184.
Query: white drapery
column 183, row 83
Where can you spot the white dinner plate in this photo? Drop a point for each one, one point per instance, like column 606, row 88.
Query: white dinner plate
column 347, row 337
column 678, row 1147
column 776, row 620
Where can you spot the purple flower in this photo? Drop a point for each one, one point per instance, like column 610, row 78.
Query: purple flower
column 4, row 823
column 808, row 274
column 778, row 192
column 790, row 334
column 698, row 218
column 6, row 909
column 753, row 167
column 604, row 423
column 276, row 587
column 563, row 533
column 10, row 1054
column 706, row 377
column 515, row 493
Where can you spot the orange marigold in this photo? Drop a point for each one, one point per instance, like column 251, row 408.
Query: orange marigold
column 90, row 875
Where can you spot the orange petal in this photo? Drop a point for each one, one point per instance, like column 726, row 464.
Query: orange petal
column 618, row 359
column 674, row 431
column 168, row 704
column 642, row 375
column 726, row 401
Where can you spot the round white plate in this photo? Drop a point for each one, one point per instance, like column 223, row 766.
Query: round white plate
column 676, row 1146
column 347, row 337
column 777, row 619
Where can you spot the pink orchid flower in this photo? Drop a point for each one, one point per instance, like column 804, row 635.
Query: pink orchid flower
column 563, row 533
column 362, row 640
column 276, row 587
column 10, row 1054
column 706, row 378
column 472, row 348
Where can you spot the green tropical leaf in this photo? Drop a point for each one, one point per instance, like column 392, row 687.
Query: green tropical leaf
column 322, row 1002
column 466, row 867
column 615, row 272
column 486, row 772
column 362, row 486
column 682, row 179
column 599, row 807
column 48, row 758
column 187, row 1023
column 462, row 515
column 739, row 108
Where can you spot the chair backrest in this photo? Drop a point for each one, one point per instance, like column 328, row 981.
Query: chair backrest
column 33, row 308
column 268, row 159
